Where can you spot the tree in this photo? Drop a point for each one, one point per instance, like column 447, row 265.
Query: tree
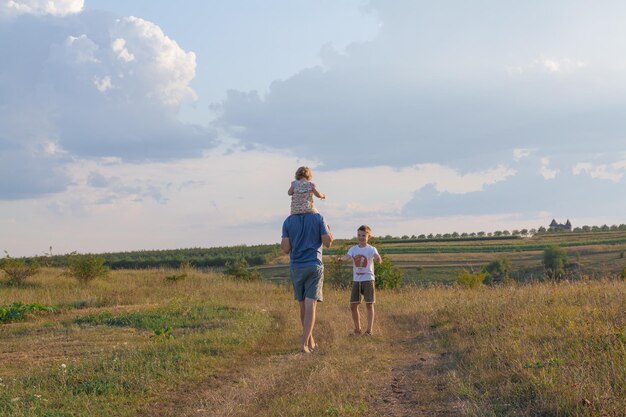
column 554, row 261
column 541, row 230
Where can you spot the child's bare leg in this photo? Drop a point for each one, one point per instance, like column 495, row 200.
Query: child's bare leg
column 370, row 317
column 354, row 307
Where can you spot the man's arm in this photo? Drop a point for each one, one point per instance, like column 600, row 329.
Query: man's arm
column 285, row 245
column 327, row 239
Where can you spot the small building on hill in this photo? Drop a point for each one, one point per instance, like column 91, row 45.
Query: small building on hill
column 555, row 227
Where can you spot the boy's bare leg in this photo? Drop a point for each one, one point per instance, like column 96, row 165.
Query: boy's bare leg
column 370, row 317
column 354, row 307
column 307, row 317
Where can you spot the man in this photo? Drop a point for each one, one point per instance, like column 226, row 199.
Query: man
column 302, row 238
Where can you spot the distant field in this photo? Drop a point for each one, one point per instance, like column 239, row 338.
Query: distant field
column 596, row 254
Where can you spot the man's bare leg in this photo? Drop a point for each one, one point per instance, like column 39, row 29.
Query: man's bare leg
column 354, row 308
column 307, row 317
column 370, row 317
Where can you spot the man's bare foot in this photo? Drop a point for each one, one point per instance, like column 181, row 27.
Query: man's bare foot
column 305, row 349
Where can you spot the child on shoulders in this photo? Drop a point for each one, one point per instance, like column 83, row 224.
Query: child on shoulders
column 302, row 191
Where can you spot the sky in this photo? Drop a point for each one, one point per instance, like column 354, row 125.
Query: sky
column 132, row 125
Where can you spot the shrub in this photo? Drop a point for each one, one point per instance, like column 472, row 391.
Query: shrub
column 17, row 269
column 239, row 268
column 496, row 271
column 469, row 279
column 388, row 276
column 554, row 261
column 86, row 268
column 337, row 273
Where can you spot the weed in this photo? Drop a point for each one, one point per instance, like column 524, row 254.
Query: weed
column 18, row 311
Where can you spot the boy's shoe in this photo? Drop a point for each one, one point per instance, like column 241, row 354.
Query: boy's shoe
column 367, row 333
column 356, row 333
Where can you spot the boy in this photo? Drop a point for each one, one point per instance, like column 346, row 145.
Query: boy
column 363, row 256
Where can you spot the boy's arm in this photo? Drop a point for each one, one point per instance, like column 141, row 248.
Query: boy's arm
column 377, row 256
column 317, row 193
column 344, row 258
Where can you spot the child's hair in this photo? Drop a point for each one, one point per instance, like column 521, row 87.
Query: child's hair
column 365, row 228
column 304, row 172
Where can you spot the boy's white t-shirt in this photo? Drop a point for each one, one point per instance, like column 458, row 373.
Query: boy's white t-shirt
column 363, row 258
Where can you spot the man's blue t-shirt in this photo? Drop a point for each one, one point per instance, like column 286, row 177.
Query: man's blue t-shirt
column 305, row 236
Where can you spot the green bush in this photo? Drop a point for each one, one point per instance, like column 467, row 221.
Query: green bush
column 388, row 276
column 239, row 268
column 17, row 269
column 554, row 261
column 86, row 268
column 337, row 273
column 469, row 279
column 496, row 271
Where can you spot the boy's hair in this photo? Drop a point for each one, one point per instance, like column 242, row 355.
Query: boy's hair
column 304, row 172
column 365, row 228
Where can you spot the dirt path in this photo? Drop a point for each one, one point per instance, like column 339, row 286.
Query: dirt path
column 416, row 386
column 419, row 383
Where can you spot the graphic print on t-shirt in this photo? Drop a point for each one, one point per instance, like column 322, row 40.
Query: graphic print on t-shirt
column 360, row 261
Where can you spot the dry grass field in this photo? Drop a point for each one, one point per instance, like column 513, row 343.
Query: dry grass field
column 136, row 344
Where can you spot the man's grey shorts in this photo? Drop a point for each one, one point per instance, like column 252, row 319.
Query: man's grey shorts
column 308, row 282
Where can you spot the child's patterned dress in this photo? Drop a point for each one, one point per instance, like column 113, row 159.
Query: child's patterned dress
column 302, row 198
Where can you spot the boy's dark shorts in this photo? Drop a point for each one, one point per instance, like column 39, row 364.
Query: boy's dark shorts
column 364, row 288
column 308, row 282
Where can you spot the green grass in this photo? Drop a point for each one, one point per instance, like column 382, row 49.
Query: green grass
column 114, row 383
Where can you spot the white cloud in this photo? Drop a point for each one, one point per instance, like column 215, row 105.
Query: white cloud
column 562, row 65
column 545, row 171
column 103, row 84
column 119, row 47
column 520, row 153
column 612, row 172
column 151, row 58
column 41, row 7
column 81, row 49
